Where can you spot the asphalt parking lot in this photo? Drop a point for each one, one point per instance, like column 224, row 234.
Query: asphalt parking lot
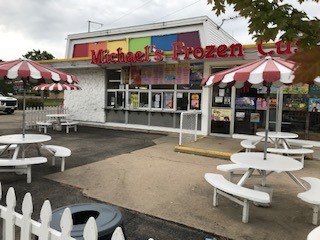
column 88, row 145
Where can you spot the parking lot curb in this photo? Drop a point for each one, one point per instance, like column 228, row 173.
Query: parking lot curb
column 203, row 152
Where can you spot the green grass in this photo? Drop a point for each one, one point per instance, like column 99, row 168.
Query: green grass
column 52, row 102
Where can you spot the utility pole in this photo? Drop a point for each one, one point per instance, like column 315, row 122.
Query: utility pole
column 91, row 22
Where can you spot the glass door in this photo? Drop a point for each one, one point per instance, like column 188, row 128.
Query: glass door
column 221, row 110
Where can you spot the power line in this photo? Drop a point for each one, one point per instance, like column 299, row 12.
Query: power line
column 177, row 11
column 129, row 12
column 226, row 19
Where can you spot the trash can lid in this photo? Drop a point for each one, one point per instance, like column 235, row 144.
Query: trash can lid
column 106, row 216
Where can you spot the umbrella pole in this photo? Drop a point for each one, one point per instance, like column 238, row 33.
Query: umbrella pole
column 267, row 124
column 24, row 109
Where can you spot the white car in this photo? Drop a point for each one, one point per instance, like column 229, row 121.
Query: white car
column 8, row 104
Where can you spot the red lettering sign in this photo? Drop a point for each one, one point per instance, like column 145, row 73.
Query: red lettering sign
column 180, row 51
column 281, row 48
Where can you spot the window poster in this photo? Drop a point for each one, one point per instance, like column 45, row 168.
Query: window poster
column 156, row 100
column 168, row 100
column 196, row 73
column 296, row 89
column 218, row 99
column 314, row 105
column 295, row 103
column 135, row 75
column 261, row 104
column 195, row 101
column 227, row 100
column 221, row 114
column 273, row 103
column 245, row 103
column 255, row 117
column 263, row 90
column 134, row 100
column 221, row 92
column 314, row 89
column 240, row 116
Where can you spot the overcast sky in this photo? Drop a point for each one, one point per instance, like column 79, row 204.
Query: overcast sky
column 44, row 24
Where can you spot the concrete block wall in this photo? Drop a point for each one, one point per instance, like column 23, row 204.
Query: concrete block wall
column 87, row 104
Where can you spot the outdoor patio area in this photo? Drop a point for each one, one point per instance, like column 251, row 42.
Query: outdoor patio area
column 159, row 182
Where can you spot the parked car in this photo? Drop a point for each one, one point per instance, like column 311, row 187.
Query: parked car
column 8, row 104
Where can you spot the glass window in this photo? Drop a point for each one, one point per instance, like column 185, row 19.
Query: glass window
column 168, row 102
column 221, row 97
column 182, row 101
column 162, row 86
column 156, row 100
column 133, row 100
column 114, row 78
column 195, row 101
column 143, row 87
column 120, row 99
column 143, row 100
column 111, row 99
column 116, row 99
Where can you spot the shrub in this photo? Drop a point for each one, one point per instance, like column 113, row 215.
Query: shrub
column 30, row 102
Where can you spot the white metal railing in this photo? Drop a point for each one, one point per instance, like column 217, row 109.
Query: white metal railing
column 13, row 221
column 38, row 114
column 188, row 127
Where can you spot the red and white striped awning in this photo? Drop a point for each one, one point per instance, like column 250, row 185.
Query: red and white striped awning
column 267, row 71
column 28, row 69
column 57, row 87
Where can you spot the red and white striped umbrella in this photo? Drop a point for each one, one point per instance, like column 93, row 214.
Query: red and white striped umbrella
column 263, row 72
column 267, row 71
column 57, row 87
column 28, row 69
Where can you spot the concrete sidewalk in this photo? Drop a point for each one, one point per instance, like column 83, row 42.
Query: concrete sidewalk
column 160, row 182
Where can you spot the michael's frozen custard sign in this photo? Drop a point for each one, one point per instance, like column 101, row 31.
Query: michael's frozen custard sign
column 182, row 52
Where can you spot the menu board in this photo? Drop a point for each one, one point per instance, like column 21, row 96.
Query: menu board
column 165, row 74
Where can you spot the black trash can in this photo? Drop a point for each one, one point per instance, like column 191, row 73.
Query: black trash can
column 108, row 218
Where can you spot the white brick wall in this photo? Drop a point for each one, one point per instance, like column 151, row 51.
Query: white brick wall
column 87, row 104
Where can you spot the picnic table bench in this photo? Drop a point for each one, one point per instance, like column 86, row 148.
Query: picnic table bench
column 22, row 165
column 312, row 196
column 233, row 191
column 58, row 152
column 301, row 152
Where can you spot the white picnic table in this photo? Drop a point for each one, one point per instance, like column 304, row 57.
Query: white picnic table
column 21, row 165
column 278, row 137
column 273, row 163
column 56, row 118
column 23, row 141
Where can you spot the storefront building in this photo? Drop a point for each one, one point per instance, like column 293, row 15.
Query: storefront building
column 144, row 77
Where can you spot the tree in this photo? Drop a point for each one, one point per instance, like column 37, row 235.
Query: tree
column 270, row 19
column 38, row 55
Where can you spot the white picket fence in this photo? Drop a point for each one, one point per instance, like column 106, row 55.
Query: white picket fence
column 38, row 114
column 30, row 228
